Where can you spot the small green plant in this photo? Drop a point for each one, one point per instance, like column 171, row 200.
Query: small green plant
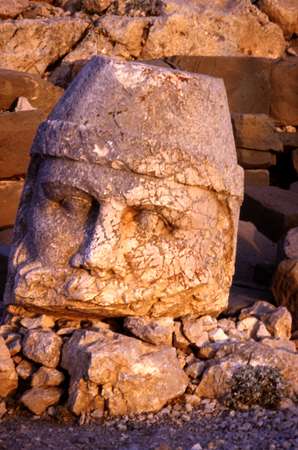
column 256, row 385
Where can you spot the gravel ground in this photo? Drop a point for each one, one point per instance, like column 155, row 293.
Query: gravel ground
column 210, row 427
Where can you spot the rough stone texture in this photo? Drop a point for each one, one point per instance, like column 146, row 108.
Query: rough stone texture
column 285, row 287
column 8, row 375
column 196, row 330
column 284, row 86
column 135, row 377
column 282, row 12
column 259, row 177
column 247, row 80
column 31, row 45
column 42, row 346
column 255, row 159
column 43, row 321
column 233, row 356
column 130, row 219
column 273, row 210
column 260, row 309
column 40, row 93
column 10, row 193
column 157, row 332
column 290, row 244
column 256, row 131
column 84, row 397
column 17, row 130
column 253, row 248
column 279, row 323
column 11, row 8
column 25, row 369
column 242, row 297
column 47, row 377
column 38, row 399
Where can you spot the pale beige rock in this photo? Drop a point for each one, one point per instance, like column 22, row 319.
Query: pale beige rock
column 227, row 325
column 31, row 45
column 249, row 326
column 42, row 346
column 218, row 335
column 11, row 8
column 233, row 356
column 25, row 369
column 84, row 397
column 47, row 377
column 196, row 330
column 23, row 104
column 42, row 321
column 13, row 342
column 157, row 332
column 163, row 239
column 279, row 323
column 38, row 399
column 282, row 12
column 8, row 375
column 195, row 369
column 179, row 340
column 262, row 332
column 285, row 287
column 135, row 377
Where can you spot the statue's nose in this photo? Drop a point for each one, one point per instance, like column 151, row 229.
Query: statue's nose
column 100, row 251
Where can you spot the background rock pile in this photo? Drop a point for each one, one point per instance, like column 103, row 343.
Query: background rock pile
column 137, row 365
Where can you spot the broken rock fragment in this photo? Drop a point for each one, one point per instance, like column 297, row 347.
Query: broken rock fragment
column 42, row 346
column 8, row 375
column 38, row 399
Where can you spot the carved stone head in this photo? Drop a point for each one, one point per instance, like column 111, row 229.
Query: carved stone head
column 132, row 199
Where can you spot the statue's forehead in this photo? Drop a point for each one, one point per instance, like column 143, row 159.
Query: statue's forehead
column 104, row 182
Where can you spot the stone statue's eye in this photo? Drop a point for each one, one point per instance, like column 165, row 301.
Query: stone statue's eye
column 67, row 197
column 152, row 221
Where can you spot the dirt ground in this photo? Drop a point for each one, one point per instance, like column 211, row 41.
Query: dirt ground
column 211, row 427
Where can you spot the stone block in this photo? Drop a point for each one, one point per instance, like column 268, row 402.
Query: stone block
column 17, row 130
column 255, row 159
column 10, row 194
column 273, row 210
column 40, row 93
column 285, row 287
column 256, row 131
column 258, row 177
column 247, row 79
column 11, row 8
column 284, row 87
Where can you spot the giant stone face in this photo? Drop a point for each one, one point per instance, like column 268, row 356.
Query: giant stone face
column 132, row 199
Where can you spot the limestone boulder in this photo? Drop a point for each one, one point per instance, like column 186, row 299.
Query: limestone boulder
column 273, row 210
column 285, row 287
column 42, row 346
column 282, row 12
column 46, row 376
column 10, row 194
column 232, row 356
column 135, row 377
column 8, row 374
column 157, row 332
column 31, row 45
column 10, row 9
column 284, row 91
column 38, row 399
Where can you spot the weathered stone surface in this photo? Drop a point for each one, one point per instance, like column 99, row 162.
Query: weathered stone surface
column 47, row 377
column 10, row 193
column 11, row 8
column 84, row 397
column 290, row 244
column 17, row 130
column 253, row 248
column 282, row 12
column 247, row 79
column 256, row 131
column 40, row 93
column 38, row 9
column 284, row 85
column 8, row 375
column 233, row 356
column 135, row 377
column 248, row 326
column 285, row 287
column 38, row 399
column 13, row 342
column 282, row 344
column 243, row 297
column 42, row 346
column 261, row 310
column 273, row 210
column 42, row 321
column 164, row 207
column 255, row 159
column 24, row 369
column 196, row 330
column 31, row 45
column 157, row 332
column 259, row 177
